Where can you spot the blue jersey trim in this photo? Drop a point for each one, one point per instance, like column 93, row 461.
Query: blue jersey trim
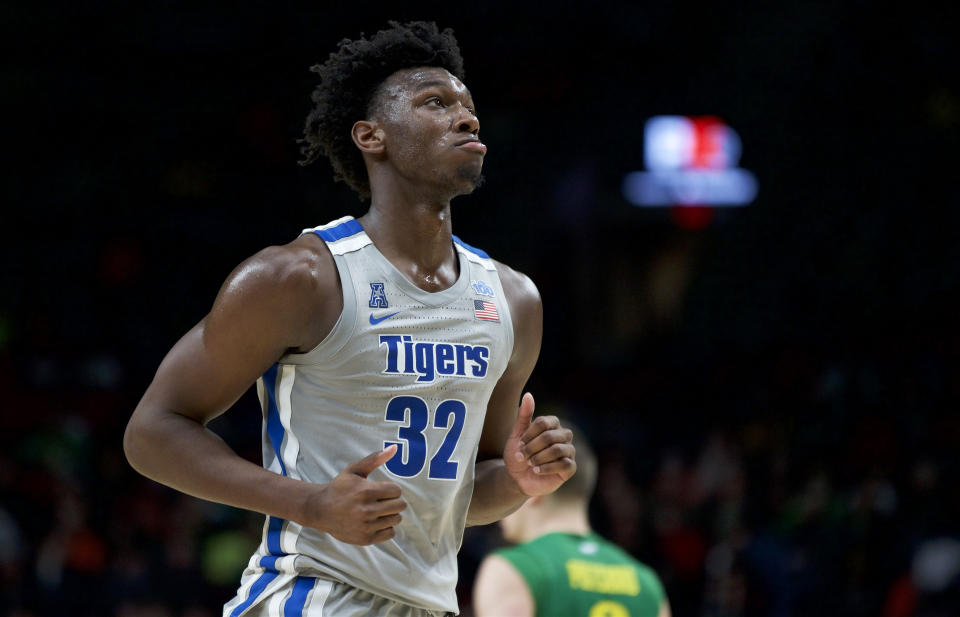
column 473, row 250
column 276, row 433
column 269, row 562
column 274, row 426
column 293, row 607
column 274, row 529
column 341, row 231
column 255, row 592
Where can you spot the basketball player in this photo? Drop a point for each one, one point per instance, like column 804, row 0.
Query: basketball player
column 389, row 358
column 560, row 567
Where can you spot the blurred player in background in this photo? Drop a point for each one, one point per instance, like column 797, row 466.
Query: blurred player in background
column 559, row 566
column 389, row 356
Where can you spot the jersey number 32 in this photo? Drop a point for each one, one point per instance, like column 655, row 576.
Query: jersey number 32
column 413, row 415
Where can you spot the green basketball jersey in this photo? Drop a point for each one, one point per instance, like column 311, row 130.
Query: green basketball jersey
column 585, row 576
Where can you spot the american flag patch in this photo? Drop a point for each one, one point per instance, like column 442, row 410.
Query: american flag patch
column 485, row 310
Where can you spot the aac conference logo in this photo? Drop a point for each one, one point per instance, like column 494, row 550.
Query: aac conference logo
column 691, row 161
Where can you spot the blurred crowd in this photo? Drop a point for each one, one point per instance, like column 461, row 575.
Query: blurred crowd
column 787, row 482
column 773, row 397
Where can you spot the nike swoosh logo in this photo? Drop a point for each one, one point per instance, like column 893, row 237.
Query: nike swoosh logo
column 375, row 320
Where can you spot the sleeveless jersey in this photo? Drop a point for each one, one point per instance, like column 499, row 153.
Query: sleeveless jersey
column 401, row 366
column 585, row 576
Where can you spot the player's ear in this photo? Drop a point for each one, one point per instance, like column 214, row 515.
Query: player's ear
column 368, row 136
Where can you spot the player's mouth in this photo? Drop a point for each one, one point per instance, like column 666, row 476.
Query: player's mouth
column 473, row 145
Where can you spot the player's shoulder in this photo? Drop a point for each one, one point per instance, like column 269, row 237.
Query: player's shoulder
column 501, row 589
column 612, row 547
column 517, row 285
column 519, row 288
column 624, row 556
column 535, row 560
column 303, row 266
column 525, row 557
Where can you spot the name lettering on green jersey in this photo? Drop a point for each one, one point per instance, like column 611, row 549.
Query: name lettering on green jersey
column 602, row 578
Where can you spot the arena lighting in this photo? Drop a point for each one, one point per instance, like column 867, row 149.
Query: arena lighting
column 691, row 161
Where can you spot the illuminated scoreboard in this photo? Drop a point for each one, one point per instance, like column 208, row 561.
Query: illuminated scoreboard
column 691, row 161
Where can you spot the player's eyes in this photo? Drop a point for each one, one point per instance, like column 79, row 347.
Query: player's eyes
column 438, row 102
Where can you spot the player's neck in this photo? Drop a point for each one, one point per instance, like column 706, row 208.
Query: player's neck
column 560, row 520
column 416, row 238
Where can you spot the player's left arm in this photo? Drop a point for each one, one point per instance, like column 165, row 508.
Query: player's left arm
column 664, row 609
column 519, row 456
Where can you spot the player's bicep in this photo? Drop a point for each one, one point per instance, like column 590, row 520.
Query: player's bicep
column 500, row 591
column 203, row 375
column 262, row 311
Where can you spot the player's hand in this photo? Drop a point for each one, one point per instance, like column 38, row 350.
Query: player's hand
column 354, row 509
column 539, row 453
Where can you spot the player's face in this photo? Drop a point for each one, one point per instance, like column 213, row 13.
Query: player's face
column 431, row 128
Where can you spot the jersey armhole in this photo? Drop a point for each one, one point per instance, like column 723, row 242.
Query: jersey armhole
column 528, row 568
column 342, row 329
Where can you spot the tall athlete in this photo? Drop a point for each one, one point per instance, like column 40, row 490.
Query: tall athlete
column 560, row 567
column 389, row 358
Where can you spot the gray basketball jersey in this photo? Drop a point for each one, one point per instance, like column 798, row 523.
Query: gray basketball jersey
column 401, row 366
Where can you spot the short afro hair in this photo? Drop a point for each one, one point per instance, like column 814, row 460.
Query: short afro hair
column 350, row 78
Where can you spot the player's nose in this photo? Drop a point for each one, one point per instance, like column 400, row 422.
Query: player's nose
column 467, row 121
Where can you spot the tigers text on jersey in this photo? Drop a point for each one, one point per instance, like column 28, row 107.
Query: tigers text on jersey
column 401, row 366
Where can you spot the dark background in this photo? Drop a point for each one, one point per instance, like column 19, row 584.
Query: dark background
column 773, row 395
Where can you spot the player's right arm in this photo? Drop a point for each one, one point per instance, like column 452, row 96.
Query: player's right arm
column 282, row 299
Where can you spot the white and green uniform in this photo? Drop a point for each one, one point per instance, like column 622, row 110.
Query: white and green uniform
column 403, row 366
